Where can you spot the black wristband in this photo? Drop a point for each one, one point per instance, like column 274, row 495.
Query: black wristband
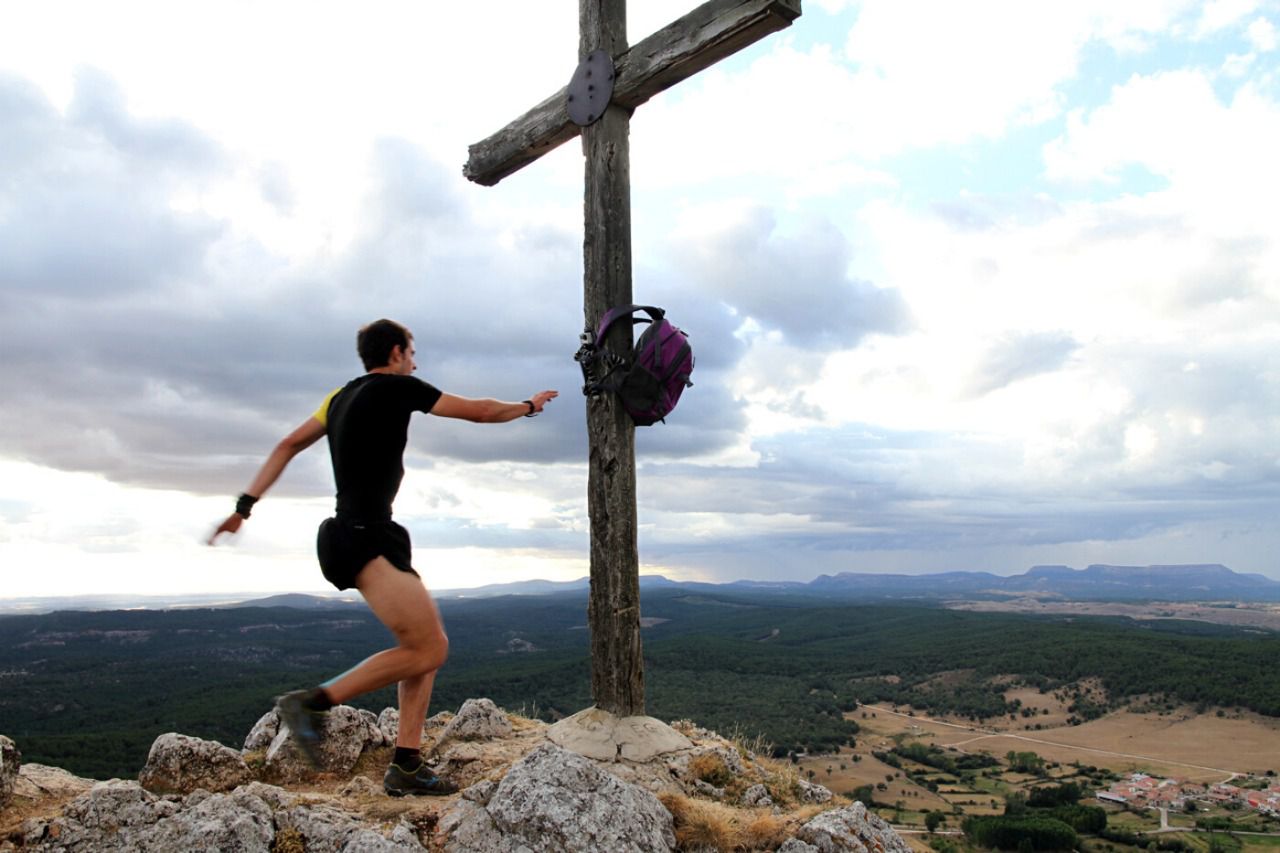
column 533, row 411
column 244, row 504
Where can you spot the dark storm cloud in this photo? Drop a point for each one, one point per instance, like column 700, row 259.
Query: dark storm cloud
column 797, row 284
column 1016, row 357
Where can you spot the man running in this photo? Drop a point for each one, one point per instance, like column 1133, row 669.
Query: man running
column 367, row 423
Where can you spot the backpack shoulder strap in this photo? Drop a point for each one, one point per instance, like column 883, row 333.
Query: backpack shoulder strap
column 614, row 314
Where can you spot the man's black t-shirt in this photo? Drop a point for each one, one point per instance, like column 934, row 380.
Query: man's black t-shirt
column 367, row 422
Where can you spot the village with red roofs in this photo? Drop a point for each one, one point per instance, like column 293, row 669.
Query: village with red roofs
column 1143, row 791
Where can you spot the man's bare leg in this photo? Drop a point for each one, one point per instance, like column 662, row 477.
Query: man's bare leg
column 415, row 697
column 402, row 603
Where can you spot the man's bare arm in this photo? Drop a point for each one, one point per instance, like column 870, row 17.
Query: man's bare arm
column 290, row 446
column 489, row 411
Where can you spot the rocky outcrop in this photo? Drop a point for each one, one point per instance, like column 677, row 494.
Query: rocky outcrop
column 181, row 764
column 850, row 830
column 263, row 732
column 389, row 725
column 556, row 800
column 478, row 719
column 10, row 761
column 39, row 781
column 521, row 793
column 328, row 828
column 345, row 733
column 811, row 792
column 255, row 818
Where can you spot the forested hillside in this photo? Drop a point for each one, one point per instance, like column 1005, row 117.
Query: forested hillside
column 90, row 691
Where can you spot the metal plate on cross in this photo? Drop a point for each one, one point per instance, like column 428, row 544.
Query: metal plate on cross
column 590, row 89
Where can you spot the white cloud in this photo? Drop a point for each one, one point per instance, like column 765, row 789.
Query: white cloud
column 1216, row 155
column 1262, row 35
column 203, row 236
column 1218, row 15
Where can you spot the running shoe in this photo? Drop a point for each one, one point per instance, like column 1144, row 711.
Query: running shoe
column 302, row 721
column 400, row 782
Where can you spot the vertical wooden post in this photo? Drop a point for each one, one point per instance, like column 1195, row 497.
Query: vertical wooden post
column 617, row 663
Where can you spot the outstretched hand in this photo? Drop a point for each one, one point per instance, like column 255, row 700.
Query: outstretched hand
column 541, row 399
column 231, row 525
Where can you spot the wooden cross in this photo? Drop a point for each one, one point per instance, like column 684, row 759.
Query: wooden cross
column 714, row 30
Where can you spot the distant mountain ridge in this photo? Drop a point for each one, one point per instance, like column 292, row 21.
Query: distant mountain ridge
column 1099, row 582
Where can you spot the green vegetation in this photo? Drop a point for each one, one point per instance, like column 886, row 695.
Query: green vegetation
column 936, row 757
column 1024, row 762
column 91, row 691
column 1019, row 833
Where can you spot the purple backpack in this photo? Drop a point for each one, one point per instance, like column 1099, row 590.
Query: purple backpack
column 650, row 384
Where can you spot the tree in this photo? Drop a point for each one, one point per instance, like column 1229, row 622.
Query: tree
column 933, row 820
column 863, row 794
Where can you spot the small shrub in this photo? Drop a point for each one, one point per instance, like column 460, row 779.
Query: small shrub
column 710, row 768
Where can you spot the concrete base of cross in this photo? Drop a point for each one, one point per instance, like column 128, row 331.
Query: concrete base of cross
column 600, row 735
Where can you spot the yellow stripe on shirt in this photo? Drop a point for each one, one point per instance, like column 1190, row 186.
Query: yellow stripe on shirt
column 322, row 413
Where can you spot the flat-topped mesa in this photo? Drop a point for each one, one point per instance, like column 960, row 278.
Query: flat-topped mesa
column 714, row 30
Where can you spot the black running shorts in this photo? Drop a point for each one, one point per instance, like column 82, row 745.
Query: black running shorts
column 345, row 547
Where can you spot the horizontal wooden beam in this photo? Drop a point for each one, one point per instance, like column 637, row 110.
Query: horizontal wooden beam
column 714, row 30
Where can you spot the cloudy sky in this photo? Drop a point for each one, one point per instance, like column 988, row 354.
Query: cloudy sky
column 971, row 287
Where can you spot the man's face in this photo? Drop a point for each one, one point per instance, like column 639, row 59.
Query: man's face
column 402, row 360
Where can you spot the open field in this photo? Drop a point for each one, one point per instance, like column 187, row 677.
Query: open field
column 1202, row 747
column 1240, row 615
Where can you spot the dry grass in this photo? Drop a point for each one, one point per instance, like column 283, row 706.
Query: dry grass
column 750, row 747
column 1169, row 743
column 710, row 768
column 705, row 825
column 765, row 830
column 701, row 824
column 288, row 840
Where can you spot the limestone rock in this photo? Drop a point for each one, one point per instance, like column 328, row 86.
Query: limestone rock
column 389, row 725
column 555, row 800
column 118, row 804
column 276, row 797
column 361, row 786
column 813, row 793
column 325, row 829
column 345, row 733
column 851, row 830
column 481, row 792
column 181, row 764
column 255, row 818
column 263, row 732
column 706, row 789
column 38, row 780
column 603, row 736
column 237, row 821
column 756, row 796
column 377, row 736
column 103, row 818
column 795, row 845
column 478, row 719
column 10, row 761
